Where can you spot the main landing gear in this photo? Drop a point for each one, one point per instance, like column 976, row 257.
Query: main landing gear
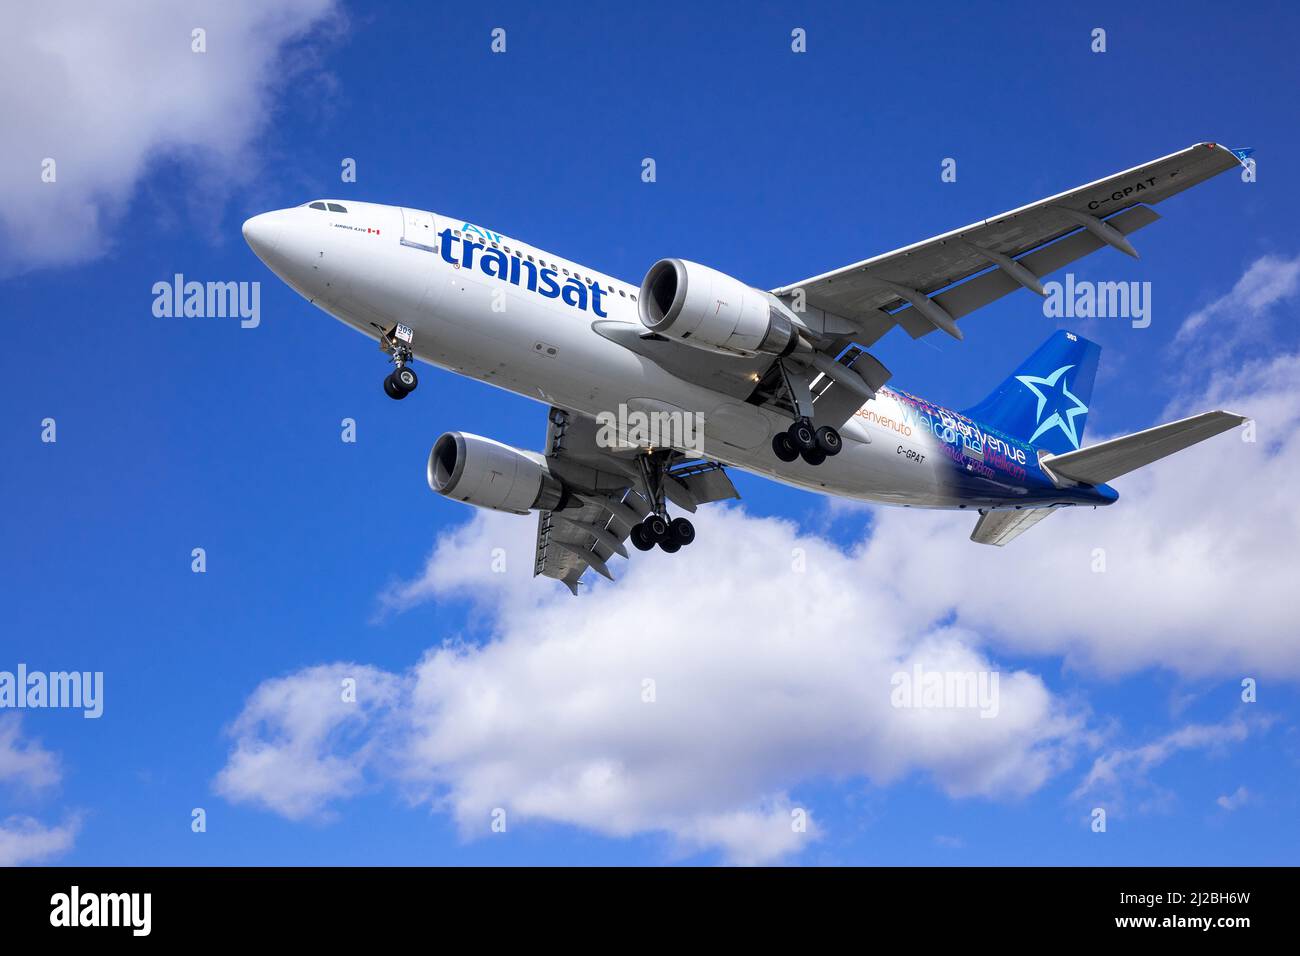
column 656, row 528
column 671, row 536
column 801, row 439
column 401, row 381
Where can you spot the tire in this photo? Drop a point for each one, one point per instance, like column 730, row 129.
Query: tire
column 639, row 539
column 681, row 531
column 672, row 547
column 656, row 528
column 828, row 441
column 405, row 379
column 802, row 436
column 814, row 456
column 783, row 448
column 391, row 389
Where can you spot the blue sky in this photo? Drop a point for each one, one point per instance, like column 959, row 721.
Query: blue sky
column 177, row 433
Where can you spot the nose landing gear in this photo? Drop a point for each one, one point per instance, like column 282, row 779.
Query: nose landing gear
column 400, row 382
column 397, row 342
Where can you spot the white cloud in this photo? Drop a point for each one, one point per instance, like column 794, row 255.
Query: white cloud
column 1118, row 774
column 27, row 768
column 548, row 719
column 25, row 765
column 749, row 837
column 107, row 91
column 26, row 840
column 1235, row 800
column 1269, row 280
column 300, row 740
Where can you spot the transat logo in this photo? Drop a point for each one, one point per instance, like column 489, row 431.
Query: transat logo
column 1066, row 407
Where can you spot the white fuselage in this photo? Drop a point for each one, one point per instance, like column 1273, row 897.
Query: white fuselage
column 374, row 266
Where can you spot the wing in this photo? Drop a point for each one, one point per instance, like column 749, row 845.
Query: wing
column 607, row 498
column 924, row 287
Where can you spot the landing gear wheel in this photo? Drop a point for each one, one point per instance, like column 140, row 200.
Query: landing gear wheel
column 655, row 528
column 828, row 441
column 398, row 343
column 801, row 435
column 640, row 540
column 681, row 532
column 814, row 456
column 404, row 378
column 783, row 448
column 672, row 547
column 392, row 390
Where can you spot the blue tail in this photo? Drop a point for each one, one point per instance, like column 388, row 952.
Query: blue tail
column 1045, row 401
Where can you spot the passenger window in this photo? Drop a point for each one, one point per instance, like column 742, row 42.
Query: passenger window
column 622, row 293
column 318, row 205
column 335, row 207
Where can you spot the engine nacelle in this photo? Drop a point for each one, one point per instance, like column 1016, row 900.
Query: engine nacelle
column 705, row 308
column 488, row 474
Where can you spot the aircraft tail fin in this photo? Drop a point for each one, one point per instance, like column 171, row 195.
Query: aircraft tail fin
column 1097, row 464
column 1045, row 401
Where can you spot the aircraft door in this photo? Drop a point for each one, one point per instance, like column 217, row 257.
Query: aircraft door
column 419, row 229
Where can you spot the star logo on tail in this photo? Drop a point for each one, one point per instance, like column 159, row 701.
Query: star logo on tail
column 1066, row 406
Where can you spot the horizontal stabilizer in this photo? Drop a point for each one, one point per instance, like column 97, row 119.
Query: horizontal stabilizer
column 999, row 527
column 1100, row 463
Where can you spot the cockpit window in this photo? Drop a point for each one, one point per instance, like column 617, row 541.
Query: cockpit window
column 317, row 205
column 335, row 207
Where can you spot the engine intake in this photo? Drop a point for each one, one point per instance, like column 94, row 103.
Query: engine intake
column 486, row 473
column 705, row 308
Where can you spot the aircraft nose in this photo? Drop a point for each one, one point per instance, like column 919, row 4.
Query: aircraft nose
column 262, row 233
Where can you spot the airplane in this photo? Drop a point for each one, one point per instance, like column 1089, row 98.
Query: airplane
column 654, row 390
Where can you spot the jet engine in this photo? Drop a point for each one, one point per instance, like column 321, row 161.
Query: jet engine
column 705, row 308
column 488, row 474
